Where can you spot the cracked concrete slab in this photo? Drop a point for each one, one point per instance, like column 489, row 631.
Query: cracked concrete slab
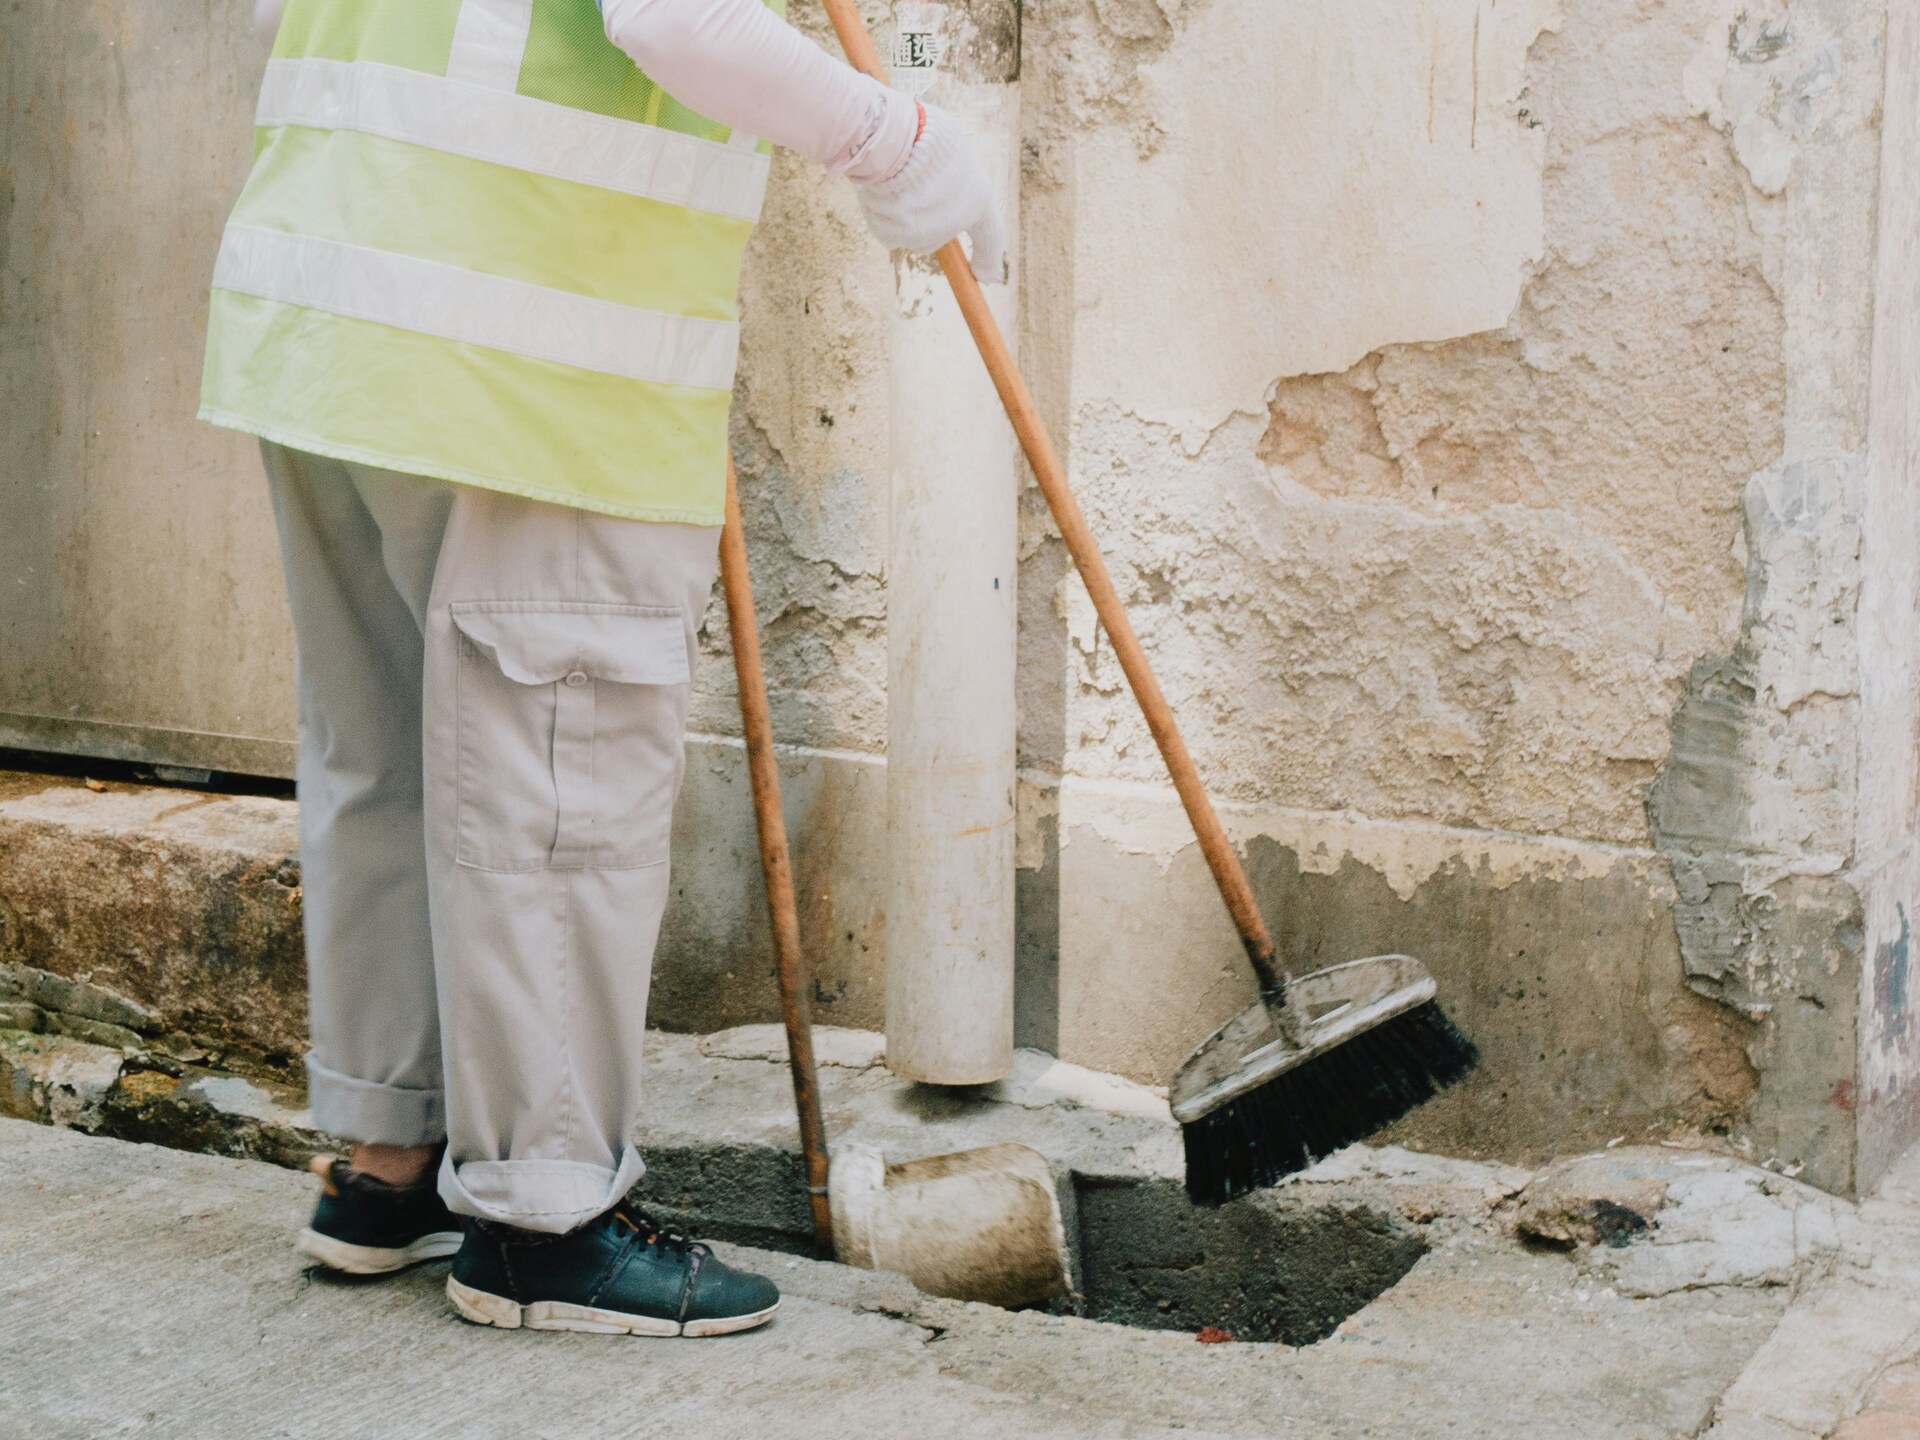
column 1851, row 1321
column 1816, row 1367
column 1652, row 1221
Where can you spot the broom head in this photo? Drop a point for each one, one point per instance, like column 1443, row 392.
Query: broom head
column 1350, row 1049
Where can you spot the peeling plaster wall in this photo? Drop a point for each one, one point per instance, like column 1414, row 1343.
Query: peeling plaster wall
column 810, row 438
column 1457, row 580
column 810, row 443
column 1761, row 806
column 1887, row 865
column 1283, row 264
column 1472, row 400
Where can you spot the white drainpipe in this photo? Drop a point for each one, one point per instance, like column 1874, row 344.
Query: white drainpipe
column 951, row 621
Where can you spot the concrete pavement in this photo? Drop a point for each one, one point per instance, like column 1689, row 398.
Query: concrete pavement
column 152, row 1292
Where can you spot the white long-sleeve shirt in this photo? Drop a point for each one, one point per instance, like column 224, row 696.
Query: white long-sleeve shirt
column 737, row 62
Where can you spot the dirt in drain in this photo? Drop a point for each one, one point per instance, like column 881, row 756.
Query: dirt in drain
column 1265, row 1267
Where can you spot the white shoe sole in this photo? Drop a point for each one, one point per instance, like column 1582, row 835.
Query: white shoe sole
column 372, row 1259
column 484, row 1309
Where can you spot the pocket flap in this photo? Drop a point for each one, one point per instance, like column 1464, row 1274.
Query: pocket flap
column 539, row 642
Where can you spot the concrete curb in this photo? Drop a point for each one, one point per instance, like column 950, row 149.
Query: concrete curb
column 188, row 903
column 76, row 1084
column 182, row 905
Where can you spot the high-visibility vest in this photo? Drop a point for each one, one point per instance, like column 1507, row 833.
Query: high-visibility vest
column 479, row 244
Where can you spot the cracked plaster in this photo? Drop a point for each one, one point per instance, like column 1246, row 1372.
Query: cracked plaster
column 1457, row 581
column 1465, row 567
column 1471, row 401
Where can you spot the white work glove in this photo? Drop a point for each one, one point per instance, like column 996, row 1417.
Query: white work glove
column 266, row 16
column 940, row 192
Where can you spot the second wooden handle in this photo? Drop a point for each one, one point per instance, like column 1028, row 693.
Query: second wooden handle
column 776, row 864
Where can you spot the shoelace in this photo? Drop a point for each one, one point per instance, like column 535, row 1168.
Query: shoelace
column 655, row 1235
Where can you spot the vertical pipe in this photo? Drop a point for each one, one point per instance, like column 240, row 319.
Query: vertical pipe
column 951, row 563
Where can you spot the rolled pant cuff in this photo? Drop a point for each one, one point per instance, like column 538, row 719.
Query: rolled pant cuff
column 549, row 1196
column 374, row 1114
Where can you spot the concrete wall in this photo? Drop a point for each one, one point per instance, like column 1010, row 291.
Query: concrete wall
column 1474, row 403
column 1499, row 418
column 141, row 611
column 1886, row 865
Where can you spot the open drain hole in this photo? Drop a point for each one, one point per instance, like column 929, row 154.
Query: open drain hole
column 1265, row 1267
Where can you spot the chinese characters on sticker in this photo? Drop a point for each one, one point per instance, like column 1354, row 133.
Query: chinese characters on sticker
column 917, row 47
column 916, row 50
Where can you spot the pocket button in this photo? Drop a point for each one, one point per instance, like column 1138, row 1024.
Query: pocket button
column 577, row 679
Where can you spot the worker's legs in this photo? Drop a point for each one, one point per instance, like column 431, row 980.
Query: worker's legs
column 493, row 714
column 374, row 1069
column 559, row 656
column 558, row 664
column 493, row 709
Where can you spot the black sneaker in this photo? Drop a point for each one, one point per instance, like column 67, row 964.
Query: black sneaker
column 621, row 1274
column 364, row 1226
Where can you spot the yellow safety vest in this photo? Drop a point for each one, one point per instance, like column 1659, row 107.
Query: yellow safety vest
column 479, row 244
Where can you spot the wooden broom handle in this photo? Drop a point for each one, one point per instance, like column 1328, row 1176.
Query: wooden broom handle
column 1052, row 476
column 775, row 864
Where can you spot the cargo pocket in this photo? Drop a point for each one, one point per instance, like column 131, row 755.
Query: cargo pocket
column 571, row 724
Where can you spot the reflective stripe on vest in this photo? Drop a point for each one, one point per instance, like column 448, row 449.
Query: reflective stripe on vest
column 438, row 267
column 489, row 40
column 443, row 300
column 508, row 129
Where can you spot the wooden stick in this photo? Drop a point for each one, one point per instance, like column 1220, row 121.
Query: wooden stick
column 775, row 864
column 1052, row 477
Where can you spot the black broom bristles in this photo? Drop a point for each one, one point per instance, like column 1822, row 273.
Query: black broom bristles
column 1324, row 1104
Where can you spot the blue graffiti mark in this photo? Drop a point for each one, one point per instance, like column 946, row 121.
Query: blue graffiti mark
column 1890, row 984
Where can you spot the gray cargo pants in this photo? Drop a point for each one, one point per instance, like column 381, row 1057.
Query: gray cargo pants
column 493, row 699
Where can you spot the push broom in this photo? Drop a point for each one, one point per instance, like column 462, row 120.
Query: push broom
column 1319, row 1061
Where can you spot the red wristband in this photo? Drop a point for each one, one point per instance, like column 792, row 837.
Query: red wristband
column 920, row 128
